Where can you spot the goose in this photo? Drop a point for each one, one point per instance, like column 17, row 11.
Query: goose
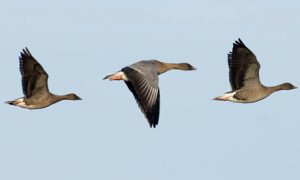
column 35, row 85
column 142, row 80
column 244, row 77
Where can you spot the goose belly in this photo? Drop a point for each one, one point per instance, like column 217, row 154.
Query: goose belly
column 22, row 103
column 242, row 96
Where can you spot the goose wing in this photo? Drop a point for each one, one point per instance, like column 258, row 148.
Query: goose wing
column 243, row 66
column 34, row 77
column 145, row 89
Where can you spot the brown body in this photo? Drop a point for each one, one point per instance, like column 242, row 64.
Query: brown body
column 244, row 77
column 35, row 85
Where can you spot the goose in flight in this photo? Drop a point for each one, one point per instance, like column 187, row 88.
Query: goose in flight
column 142, row 80
column 244, row 77
column 35, row 85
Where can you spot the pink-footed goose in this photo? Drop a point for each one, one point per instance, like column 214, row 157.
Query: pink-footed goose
column 142, row 80
column 35, row 85
column 244, row 77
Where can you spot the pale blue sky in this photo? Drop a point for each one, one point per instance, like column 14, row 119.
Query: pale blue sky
column 105, row 136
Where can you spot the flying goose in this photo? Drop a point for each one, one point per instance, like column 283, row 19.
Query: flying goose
column 142, row 80
column 35, row 85
column 244, row 77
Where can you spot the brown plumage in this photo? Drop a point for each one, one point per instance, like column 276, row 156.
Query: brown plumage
column 244, row 77
column 35, row 85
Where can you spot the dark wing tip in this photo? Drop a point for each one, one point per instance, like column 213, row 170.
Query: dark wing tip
column 26, row 53
column 239, row 43
column 23, row 53
column 239, row 40
column 154, row 116
column 152, row 122
column 152, row 125
column 138, row 85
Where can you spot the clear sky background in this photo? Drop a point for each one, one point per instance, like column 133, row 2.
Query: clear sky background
column 105, row 136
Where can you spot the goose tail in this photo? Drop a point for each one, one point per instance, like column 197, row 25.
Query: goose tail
column 220, row 98
column 116, row 76
column 11, row 102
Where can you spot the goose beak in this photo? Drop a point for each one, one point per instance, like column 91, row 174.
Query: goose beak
column 193, row 68
column 78, row 98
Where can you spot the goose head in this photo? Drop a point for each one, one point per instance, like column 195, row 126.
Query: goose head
column 186, row 67
column 73, row 96
column 287, row 86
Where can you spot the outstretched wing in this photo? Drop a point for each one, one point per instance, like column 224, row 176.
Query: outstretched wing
column 146, row 93
column 34, row 78
column 243, row 66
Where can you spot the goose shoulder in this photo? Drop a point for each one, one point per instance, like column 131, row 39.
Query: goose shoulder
column 143, row 69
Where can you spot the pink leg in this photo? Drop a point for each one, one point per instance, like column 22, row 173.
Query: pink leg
column 115, row 77
column 221, row 98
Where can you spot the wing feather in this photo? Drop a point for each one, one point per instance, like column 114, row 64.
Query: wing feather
column 146, row 95
column 243, row 66
column 34, row 77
